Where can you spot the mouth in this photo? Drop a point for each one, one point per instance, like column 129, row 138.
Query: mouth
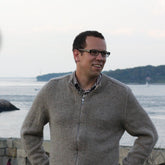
column 99, row 66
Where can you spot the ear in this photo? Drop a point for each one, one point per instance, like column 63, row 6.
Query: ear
column 76, row 54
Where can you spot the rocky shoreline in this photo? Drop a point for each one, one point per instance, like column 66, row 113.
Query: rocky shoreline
column 5, row 105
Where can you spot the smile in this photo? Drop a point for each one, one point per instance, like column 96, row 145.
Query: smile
column 97, row 65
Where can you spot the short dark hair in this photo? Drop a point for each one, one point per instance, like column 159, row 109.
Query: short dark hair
column 80, row 40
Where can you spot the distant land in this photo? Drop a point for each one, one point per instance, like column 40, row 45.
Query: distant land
column 136, row 75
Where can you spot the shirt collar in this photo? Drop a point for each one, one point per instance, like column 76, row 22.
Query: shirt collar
column 77, row 85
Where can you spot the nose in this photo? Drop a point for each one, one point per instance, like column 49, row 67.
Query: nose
column 100, row 57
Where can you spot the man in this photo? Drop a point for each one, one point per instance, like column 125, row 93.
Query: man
column 88, row 113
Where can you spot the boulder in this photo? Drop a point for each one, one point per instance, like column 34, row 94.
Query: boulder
column 7, row 106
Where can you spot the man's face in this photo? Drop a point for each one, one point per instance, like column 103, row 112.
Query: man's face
column 89, row 65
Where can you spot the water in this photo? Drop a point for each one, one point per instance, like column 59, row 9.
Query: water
column 152, row 98
column 22, row 91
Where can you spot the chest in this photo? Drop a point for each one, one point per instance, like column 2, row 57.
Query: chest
column 94, row 111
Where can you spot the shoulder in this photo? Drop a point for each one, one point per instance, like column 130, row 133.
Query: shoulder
column 114, row 85
column 64, row 78
column 57, row 83
column 113, row 82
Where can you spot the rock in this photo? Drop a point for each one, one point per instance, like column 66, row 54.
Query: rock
column 7, row 106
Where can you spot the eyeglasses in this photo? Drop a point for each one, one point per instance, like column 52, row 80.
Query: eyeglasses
column 95, row 52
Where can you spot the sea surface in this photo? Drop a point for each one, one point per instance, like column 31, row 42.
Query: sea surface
column 22, row 91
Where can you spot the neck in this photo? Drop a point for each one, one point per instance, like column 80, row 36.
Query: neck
column 86, row 82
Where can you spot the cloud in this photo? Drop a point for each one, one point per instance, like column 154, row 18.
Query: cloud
column 159, row 7
column 54, row 28
column 123, row 31
column 0, row 40
column 47, row 28
column 157, row 33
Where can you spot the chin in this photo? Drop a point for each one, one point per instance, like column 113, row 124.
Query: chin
column 96, row 74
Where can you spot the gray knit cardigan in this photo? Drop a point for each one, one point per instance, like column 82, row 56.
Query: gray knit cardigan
column 88, row 133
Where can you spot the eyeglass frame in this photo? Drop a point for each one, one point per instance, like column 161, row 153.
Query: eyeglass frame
column 104, row 53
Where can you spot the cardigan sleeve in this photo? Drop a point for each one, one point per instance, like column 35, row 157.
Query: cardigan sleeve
column 32, row 131
column 138, row 123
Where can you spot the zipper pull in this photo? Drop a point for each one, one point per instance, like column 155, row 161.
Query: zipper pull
column 83, row 98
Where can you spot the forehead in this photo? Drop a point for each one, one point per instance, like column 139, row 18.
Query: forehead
column 95, row 43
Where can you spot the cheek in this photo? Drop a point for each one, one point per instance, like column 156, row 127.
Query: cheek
column 89, row 61
column 104, row 61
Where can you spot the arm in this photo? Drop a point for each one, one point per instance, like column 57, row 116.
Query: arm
column 32, row 131
column 137, row 123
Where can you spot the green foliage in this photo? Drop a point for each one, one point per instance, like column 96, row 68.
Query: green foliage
column 139, row 75
column 47, row 77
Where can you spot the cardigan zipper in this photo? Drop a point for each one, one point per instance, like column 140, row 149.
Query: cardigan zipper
column 78, row 129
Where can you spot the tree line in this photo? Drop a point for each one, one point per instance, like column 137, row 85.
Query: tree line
column 139, row 75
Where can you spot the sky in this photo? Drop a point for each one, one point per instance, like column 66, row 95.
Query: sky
column 37, row 35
